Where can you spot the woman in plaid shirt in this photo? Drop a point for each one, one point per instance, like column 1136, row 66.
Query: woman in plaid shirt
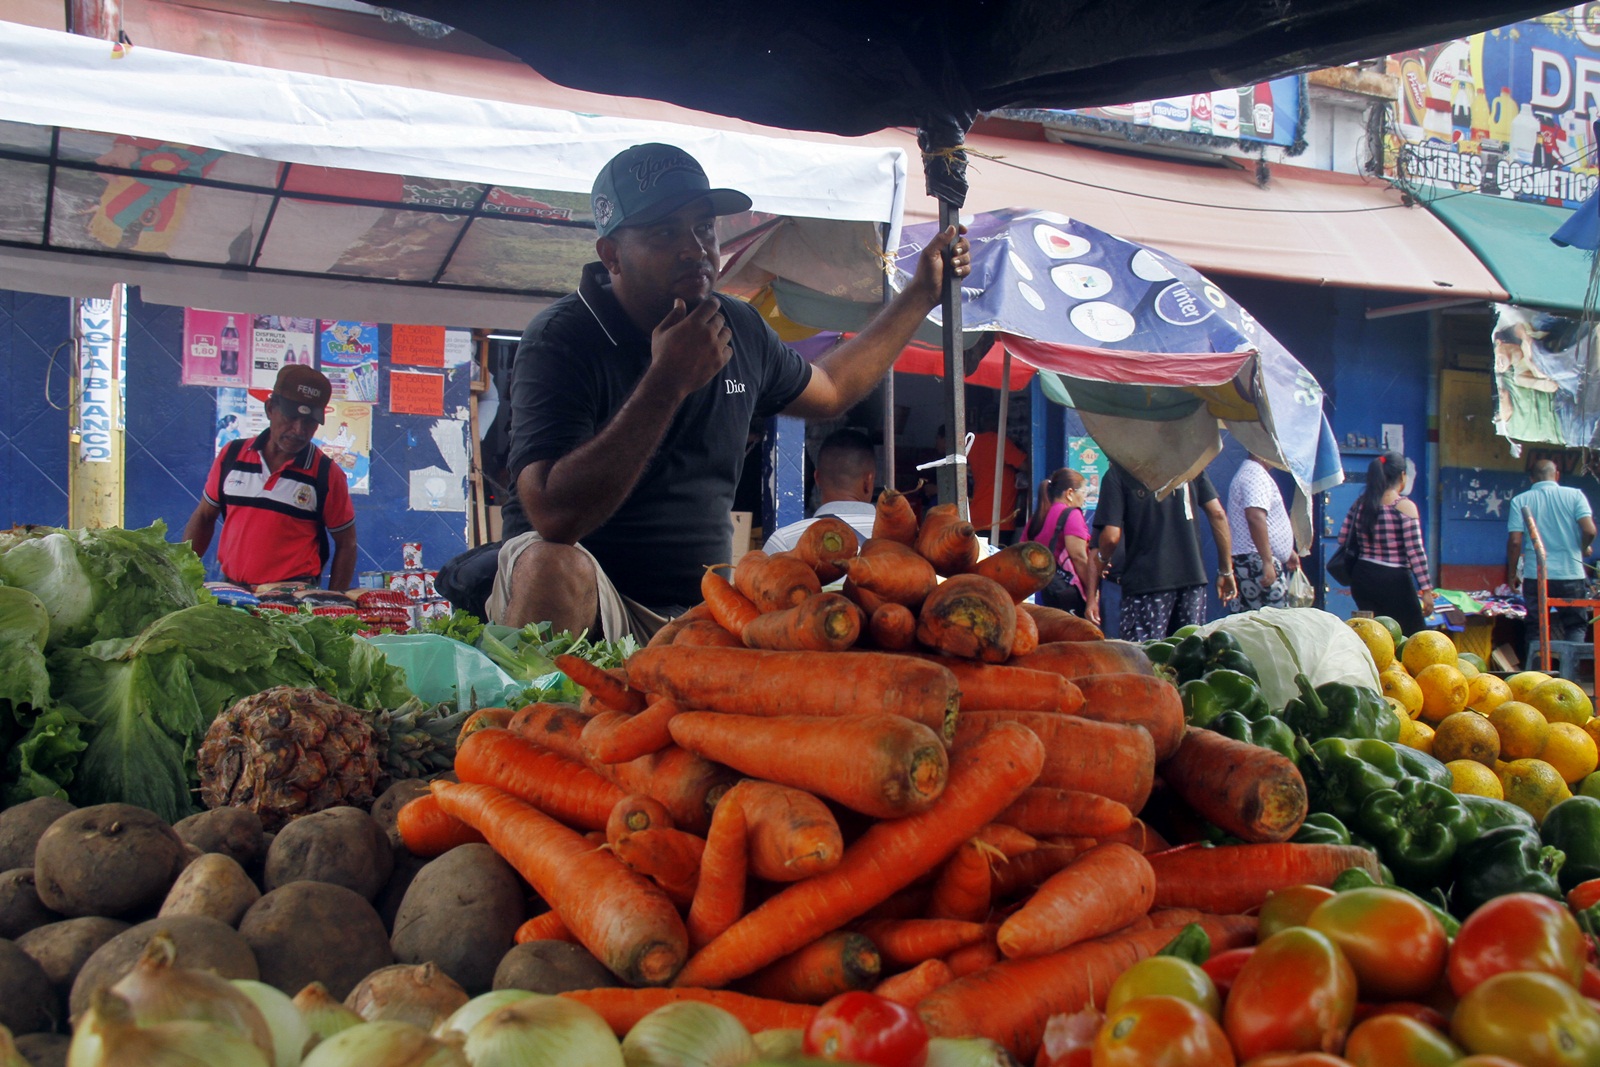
column 1391, row 575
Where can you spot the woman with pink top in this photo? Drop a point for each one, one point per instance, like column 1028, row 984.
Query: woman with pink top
column 1391, row 576
column 1058, row 522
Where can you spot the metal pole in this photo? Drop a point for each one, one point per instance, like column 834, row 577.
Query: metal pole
column 1000, row 445
column 953, row 472
column 889, row 426
column 1539, row 584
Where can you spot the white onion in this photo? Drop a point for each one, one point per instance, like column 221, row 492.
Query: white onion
column 290, row 1033
column 421, row 995
column 967, row 1052
column 688, row 1034
column 107, row 1036
column 324, row 1015
column 383, row 1044
column 159, row 991
column 780, row 1043
column 468, row 1015
column 543, row 1032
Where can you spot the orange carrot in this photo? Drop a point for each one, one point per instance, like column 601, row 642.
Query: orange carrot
column 774, row 582
column 730, row 609
column 687, row 784
column 623, row 1008
column 964, row 889
column 707, row 633
column 969, row 616
column 622, row 918
column 792, row 834
column 826, row 622
column 907, row 904
column 1043, row 811
column 670, row 858
column 426, row 830
column 986, row 777
column 868, row 601
column 892, row 627
column 908, row 942
column 893, row 519
column 1138, row 835
column 558, row 787
column 977, row 956
column 946, row 540
column 1075, row 659
column 1027, row 638
column 606, row 688
column 484, row 719
column 617, row 738
column 1137, row 700
column 545, row 927
column 1057, row 625
column 834, row 963
column 1019, row 874
column 996, row 686
column 667, row 633
column 1093, row 757
column 908, row 987
column 893, row 571
column 1022, row 569
column 825, row 545
column 557, row 727
column 1230, row 879
column 1253, row 793
column 636, row 812
column 879, row 765
column 719, row 896
column 1011, row 1001
column 1100, row 891
column 757, row 682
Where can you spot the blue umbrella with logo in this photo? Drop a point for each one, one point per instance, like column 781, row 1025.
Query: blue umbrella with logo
column 1155, row 357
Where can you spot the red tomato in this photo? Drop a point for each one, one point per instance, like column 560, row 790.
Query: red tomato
column 1161, row 1031
column 1398, row 1041
column 1517, row 932
column 1425, row 1014
column 1394, row 942
column 1532, row 1017
column 1224, row 967
column 866, row 1028
column 1296, row 994
column 1290, row 907
column 1298, row 1059
column 1589, row 985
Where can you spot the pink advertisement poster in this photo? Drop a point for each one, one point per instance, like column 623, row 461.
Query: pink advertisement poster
column 216, row 348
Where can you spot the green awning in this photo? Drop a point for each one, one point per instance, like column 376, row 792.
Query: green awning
column 1512, row 237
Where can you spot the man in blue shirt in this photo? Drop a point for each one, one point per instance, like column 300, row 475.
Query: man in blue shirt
column 1566, row 526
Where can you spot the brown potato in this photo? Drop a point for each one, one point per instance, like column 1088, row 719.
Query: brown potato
column 341, row 846
column 213, row 885
column 20, row 907
column 234, row 832
column 202, row 943
column 27, row 1000
column 316, row 932
column 552, row 967
column 461, row 913
column 62, row 947
column 109, row 859
column 21, row 827
column 406, row 869
column 386, row 809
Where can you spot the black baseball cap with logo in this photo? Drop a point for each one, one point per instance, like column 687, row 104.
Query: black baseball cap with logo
column 648, row 182
column 303, row 391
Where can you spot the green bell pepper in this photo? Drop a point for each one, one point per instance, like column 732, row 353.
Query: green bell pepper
column 1335, row 709
column 1188, row 659
column 1194, row 655
column 1419, row 764
column 1417, row 827
column 1193, row 945
column 1270, row 732
column 1340, row 772
column 1358, row 878
column 1201, row 703
column 1507, row 859
column 1238, row 692
column 1232, row 659
column 1320, row 828
column 1493, row 814
column 1573, row 826
column 1159, row 652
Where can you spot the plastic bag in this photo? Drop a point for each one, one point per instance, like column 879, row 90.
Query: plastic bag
column 1283, row 642
column 439, row 668
column 1300, row 594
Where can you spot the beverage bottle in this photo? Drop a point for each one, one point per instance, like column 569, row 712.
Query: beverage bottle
column 1502, row 110
column 1524, row 135
column 1261, row 114
column 1480, row 113
column 1225, row 112
column 1200, row 113
column 1436, row 109
column 1461, row 94
column 229, row 348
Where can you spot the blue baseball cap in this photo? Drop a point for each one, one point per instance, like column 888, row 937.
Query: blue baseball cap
column 648, row 182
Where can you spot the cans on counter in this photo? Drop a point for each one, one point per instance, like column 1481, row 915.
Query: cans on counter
column 411, row 555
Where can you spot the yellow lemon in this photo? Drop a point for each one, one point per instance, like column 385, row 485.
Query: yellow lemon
column 1592, row 728
column 1468, row 670
column 1525, row 683
column 1403, row 688
column 1414, row 733
column 1485, row 692
column 1377, row 640
column 1470, row 776
column 1534, row 786
column 1466, row 735
column 1571, row 751
column 1444, row 691
column 1521, row 728
column 1426, row 648
column 1562, row 701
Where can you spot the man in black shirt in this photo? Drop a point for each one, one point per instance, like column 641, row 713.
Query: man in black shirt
column 631, row 400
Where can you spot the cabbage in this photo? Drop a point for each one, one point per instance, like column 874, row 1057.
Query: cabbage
column 45, row 761
column 99, row 584
column 24, row 627
column 1283, row 642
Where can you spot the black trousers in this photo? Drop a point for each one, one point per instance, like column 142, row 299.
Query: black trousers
column 1390, row 591
column 1566, row 620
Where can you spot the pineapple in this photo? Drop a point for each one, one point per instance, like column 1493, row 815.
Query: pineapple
column 287, row 752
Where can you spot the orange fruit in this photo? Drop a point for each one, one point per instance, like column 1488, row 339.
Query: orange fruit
column 1534, row 786
column 1426, row 648
column 1521, row 728
column 1485, row 692
column 1524, row 683
column 1399, row 685
column 1470, row 776
column 1444, row 691
column 1466, row 735
column 1377, row 639
column 1571, row 751
column 1414, row 733
column 1562, row 701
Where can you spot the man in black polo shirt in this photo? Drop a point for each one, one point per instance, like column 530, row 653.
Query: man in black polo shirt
column 631, row 400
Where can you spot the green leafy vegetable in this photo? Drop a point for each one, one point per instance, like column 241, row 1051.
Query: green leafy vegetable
column 45, row 761
column 461, row 625
column 24, row 627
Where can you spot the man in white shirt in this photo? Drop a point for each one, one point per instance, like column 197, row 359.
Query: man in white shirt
column 1263, row 540
column 846, row 472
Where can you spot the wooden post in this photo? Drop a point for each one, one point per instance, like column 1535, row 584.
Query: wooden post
column 96, row 456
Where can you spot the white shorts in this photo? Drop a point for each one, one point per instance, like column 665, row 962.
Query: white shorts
column 618, row 614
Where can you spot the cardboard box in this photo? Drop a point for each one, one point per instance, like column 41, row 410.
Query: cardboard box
column 1505, row 658
column 741, row 532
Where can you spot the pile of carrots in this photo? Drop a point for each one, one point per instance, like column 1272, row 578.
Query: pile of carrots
column 930, row 788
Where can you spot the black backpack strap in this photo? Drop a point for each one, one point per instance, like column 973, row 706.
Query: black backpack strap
column 1056, row 544
column 230, row 456
column 321, row 465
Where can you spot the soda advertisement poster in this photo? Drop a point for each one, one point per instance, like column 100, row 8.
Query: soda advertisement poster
column 216, row 348
column 349, row 354
column 1509, row 112
column 276, row 340
column 346, row 437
